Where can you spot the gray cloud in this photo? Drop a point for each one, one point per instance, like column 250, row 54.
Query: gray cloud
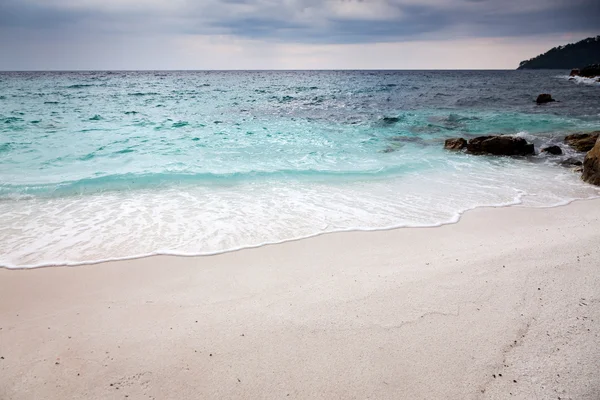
column 308, row 21
column 122, row 27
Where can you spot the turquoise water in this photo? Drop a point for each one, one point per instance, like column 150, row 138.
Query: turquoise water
column 101, row 165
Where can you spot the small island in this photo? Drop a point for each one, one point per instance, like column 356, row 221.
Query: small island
column 575, row 55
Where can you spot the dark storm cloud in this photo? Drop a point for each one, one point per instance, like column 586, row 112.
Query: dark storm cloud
column 303, row 21
column 562, row 18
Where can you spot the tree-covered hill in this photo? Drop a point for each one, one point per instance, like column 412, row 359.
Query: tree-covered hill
column 574, row 55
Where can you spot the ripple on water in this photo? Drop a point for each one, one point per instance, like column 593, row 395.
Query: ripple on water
column 128, row 164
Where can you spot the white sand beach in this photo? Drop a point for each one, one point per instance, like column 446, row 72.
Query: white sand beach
column 505, row 304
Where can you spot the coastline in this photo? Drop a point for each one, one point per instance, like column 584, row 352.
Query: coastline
column 435, row 312
column 517, row 202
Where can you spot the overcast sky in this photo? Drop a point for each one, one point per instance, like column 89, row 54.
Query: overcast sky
column 286, row 34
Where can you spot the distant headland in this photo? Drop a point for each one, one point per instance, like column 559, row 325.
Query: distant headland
column 575, row 55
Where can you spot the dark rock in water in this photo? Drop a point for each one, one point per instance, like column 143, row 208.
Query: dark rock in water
column 390, row 120
column 500, row 146
column 571, row 162
column 575, row 72
column 554, row 150
column 591, row 71
column 455, row 144
column 591, row 165
column 582, row 142
column 544, row 98
column 388, row 150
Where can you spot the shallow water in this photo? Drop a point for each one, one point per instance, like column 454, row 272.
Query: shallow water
column 104, row 165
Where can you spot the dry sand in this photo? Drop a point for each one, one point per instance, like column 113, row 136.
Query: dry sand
column 505, row 304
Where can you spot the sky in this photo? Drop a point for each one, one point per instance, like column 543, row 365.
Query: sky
column 286, row 34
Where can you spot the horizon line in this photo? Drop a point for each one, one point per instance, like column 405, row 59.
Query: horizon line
column 271, row 70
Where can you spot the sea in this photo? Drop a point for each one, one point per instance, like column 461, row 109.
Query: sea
column 99, row 166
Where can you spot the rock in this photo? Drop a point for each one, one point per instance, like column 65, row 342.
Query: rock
column 582, row 142
column 554, row 150
column 571, row 162
column 500, row 146
column 390, row 120
column 455, row 144
column 591, row 165
column 544, row 98
column 591, row 71
column 575, row 72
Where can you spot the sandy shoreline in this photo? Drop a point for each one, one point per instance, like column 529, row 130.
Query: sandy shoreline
column 503, row 304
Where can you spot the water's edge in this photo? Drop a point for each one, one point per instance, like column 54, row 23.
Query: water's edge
column 517, row 203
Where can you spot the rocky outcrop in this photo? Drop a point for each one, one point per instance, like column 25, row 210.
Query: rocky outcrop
column 500, row 146
column 455, row 144
column 591, row 165
column 544, row 98
column 554, row 150
column 591, row 71
column 575, row 72
column 582, row 142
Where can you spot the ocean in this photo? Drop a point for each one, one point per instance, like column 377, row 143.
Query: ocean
column 111, row 165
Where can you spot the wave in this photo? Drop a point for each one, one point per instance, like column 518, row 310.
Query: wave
column 143, row 94
column 5, row 147
column 131, row 181
column 455, row 218
column 12, row 120
column 80, row 86
column 583, row 80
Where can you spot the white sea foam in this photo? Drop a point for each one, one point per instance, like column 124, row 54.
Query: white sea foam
column 582, row 80
column 98, row 166
column 188, row 220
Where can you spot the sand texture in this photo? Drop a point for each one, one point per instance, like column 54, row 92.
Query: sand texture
column 504, row 304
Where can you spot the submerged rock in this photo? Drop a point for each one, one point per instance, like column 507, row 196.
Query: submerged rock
column 500, row 146
column 455, row 144
column 400, row 140
column 544, row 98
column 591, row 165
column 582, row 142
column 390, row 120
column 571, row 162
column 554, row 150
